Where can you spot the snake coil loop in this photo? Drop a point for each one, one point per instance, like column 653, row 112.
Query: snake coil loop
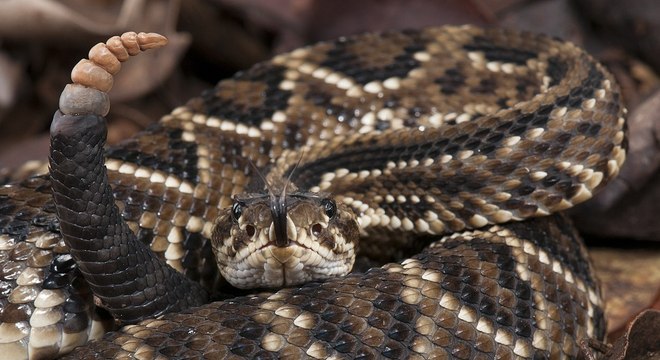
column 444, row 147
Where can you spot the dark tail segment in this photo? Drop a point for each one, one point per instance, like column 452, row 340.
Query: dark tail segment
column 128, row 278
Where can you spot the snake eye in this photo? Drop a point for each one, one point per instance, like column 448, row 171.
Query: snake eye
column 236, row 210
column 330, row 207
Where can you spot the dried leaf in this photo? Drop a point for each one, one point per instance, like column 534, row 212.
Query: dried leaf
column 641, row 341
column 299, row 22
column 220, row 40
column 634, row 24
column 76, row 21
column 549, row 17
column 10, row 78
column 630, row 281
column 57, row 20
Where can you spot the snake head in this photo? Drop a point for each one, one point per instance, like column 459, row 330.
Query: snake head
column 266, row 241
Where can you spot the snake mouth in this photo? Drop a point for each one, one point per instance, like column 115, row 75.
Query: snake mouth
column 272, row 266
column 267, row 239
column 265, row 264
column 283, row 253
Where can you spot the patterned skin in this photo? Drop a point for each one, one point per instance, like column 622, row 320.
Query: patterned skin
column 430, row 137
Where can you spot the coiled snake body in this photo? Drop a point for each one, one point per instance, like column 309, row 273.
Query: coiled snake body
column 433, row 138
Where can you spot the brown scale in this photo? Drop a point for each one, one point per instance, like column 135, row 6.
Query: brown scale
column 377, row 51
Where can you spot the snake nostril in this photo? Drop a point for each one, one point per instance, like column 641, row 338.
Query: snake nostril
column 316, row 229
column 250, row 230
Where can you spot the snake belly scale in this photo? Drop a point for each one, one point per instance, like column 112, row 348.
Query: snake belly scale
column 435, row 137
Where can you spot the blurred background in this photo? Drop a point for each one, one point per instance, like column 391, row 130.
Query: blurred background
column 41, row 41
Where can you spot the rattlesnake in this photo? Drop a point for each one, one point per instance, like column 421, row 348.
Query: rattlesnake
column 432, row 138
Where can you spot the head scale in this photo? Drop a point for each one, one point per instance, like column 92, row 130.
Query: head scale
column 278, row 209
column 278, row 212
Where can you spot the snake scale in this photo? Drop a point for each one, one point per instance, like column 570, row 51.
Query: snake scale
column 438, row 141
